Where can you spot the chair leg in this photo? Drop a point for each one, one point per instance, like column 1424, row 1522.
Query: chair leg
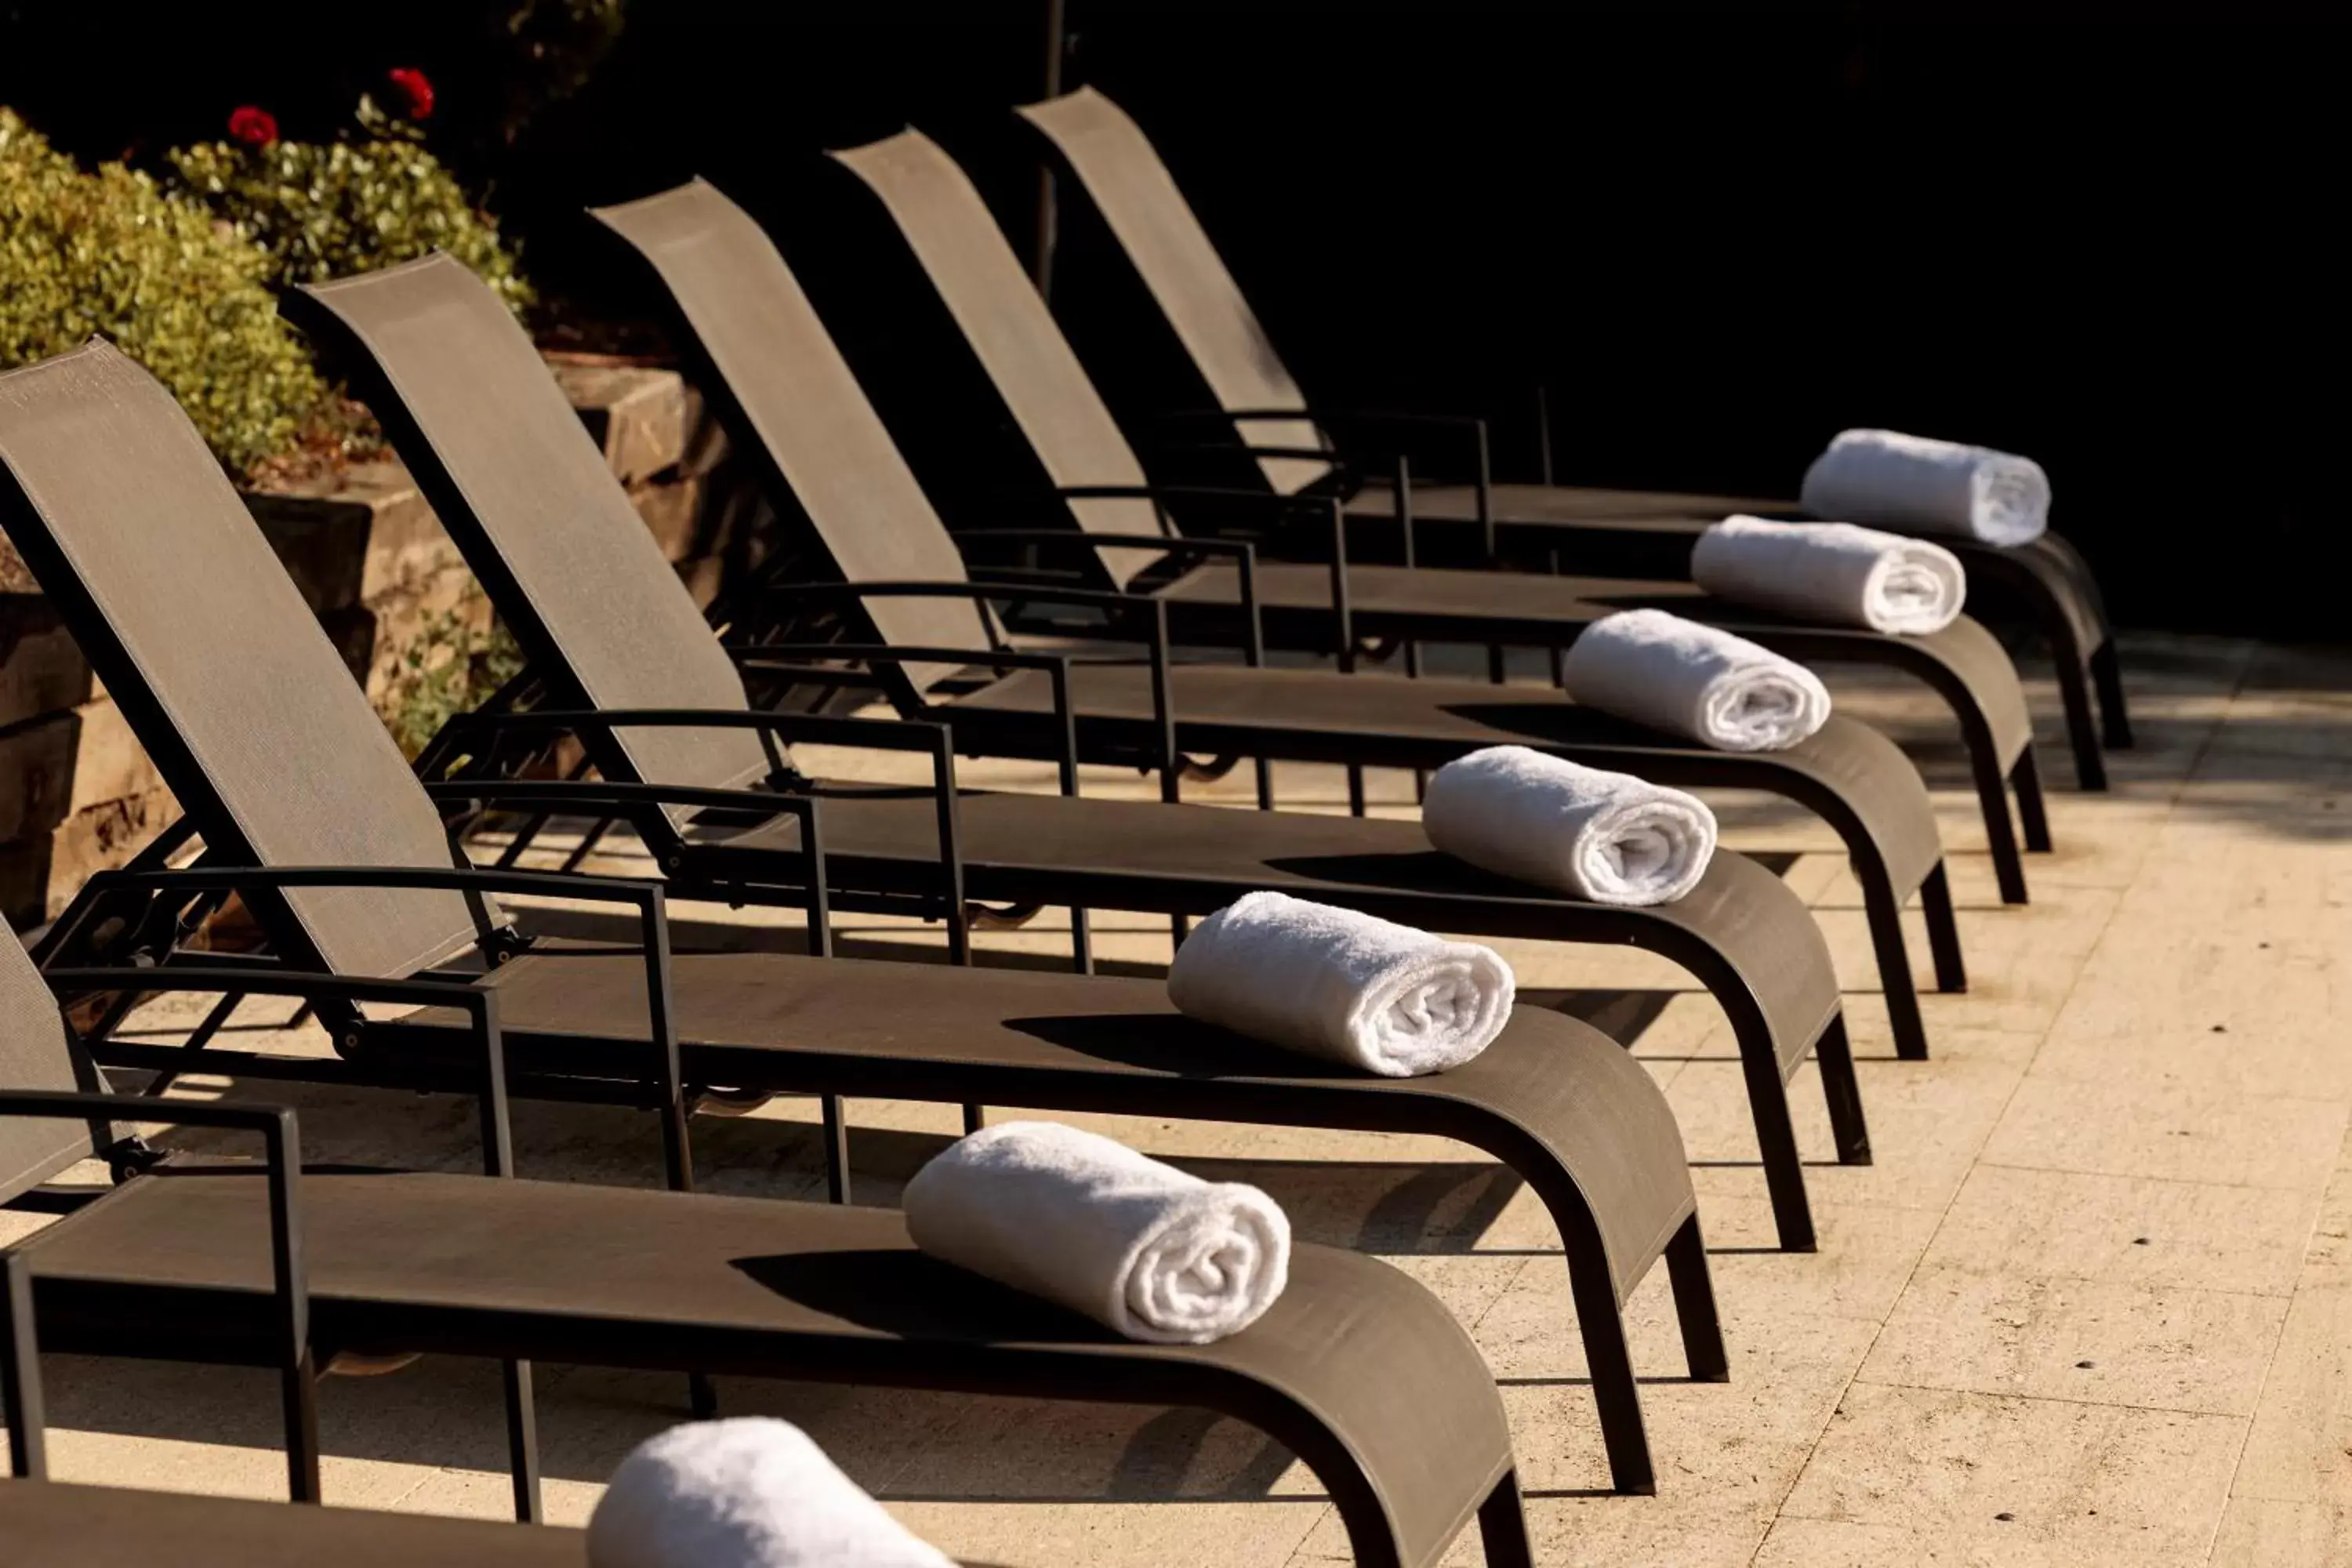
column 2001, row 833
column 2075, row 693
column 975, row 1117
column 1355, row 789
column 299, row 1389
column 1784, row 1174
column 2033, row 816
column 701, row 1395
column 522, row 1439
column 1600, row 1323
column 1694, row 1283
column 1834, row 1053
column 1776, row 1134
column 2107, row 672
column 1264, row 784
column 1943, row 931
column 836, row 1148
column 20, row 1376
column 1082, row 943
column 1503, row 1526
column 1885, row 914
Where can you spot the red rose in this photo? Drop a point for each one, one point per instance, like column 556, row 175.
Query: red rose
column 254, row 127
column 415, row 89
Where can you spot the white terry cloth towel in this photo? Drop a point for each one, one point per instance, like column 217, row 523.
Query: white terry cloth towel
column 1928, row 486
column 751, row 1492
column 1608, row 838
column 1700, row 681
column 1343, row 985
column 1834, row 574
column 1153, row 1252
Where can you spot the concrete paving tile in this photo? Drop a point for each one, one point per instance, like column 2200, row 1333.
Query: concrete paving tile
column 2270, row 1532
column 2078, row 1339
column 2300, row 1445
column 2304, row 1061
column 2094, row 1482
column 1867, row 1250
column 2179, row 1132
column 483, row 1494
column 1749, row 1436
column 2299, row 1448
column 2137, row 1230
column 1927, row 1122
column 1842, row 1543
column 1695, row 1529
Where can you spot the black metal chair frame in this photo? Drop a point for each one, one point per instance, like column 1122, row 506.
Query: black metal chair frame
column 1143, row 618
column 1500, row 1514
column 477, row 741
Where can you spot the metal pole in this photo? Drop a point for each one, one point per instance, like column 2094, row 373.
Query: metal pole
column 1048, row 216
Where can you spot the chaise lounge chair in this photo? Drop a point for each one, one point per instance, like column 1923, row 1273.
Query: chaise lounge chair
column 1353, row 1368
column 497, row 449
column 308, row 811
column 772, row 370
column 1646, row 534
column 1080, row 448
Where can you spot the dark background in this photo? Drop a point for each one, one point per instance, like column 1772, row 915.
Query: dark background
column 1715, row 233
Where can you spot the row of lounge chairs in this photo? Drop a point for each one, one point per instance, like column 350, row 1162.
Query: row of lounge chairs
column 354, row 865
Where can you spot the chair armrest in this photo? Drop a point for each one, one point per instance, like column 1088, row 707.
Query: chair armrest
column 646, row 897
column 1156, row 617
column 1154, row 612
column 20, row 1376
column 1242, row 551
column 764, row 658
column 477, row 1002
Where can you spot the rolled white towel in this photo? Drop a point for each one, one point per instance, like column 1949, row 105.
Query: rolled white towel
column 1929, row 486
column 1153, row 1252
column 1833, row 573
column 1699, row 681
column 1333, row 983
column 751, row 1492
column 1609, row 837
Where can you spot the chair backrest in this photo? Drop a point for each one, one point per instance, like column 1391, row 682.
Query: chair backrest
column 35, row 1053
column 1158, row 229
column 246, row 708
column 517, row 481
column 793, row 395
column 1006, row 320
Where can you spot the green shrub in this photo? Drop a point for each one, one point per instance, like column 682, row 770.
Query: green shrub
column 325, row 210
column 107, row 251
column 452, row 666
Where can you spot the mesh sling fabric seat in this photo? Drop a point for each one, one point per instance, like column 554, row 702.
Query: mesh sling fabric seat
column 1356, row 1368
column 1641, row 533
column 181, row 610
column 536, row 511
column 1078, row 444
column 775, row 374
